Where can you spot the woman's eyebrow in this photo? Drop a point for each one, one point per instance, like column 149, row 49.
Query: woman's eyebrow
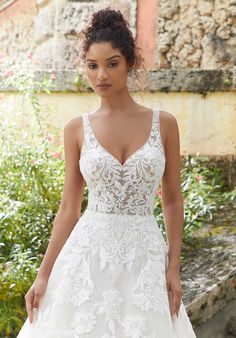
column 107, row 58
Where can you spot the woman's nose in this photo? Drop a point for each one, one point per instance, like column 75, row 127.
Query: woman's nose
column 102, row 75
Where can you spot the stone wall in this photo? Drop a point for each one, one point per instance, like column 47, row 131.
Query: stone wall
column 58, row 21
column 197, row 34
column 47, row 28
column 206, row 122
column 172, row 33
column 17, row 28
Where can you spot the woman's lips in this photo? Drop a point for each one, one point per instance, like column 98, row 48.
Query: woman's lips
column 104, row 86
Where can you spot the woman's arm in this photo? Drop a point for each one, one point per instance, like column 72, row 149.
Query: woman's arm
column 70, row 206
column 172, row 199
column 172, row 202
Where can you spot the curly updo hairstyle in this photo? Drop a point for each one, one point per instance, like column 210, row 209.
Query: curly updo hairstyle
column 109, row 25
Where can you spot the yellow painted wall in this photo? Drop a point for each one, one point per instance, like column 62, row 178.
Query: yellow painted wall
column 207, row 124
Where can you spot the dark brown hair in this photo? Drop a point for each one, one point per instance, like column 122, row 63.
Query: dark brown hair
column 109, row 25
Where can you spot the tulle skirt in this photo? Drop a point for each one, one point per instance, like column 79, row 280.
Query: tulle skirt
column 108, row 281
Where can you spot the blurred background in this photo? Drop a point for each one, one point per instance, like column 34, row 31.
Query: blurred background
column 189, row 48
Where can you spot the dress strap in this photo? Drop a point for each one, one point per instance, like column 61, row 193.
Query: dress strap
column 85, row 125
column 158, row 132
column 86, row 139
column 156, row 121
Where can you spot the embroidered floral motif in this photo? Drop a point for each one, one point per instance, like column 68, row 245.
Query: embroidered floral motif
column 84, row 322
column 150, row 292
column 135, row 326
column 122, row 189
column 110, row 308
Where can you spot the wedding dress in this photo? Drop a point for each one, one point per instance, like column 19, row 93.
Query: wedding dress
column 108, row 281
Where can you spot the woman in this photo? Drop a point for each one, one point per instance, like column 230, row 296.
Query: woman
column 109, row 272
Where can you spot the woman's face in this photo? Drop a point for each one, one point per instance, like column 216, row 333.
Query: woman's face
column 104, row 64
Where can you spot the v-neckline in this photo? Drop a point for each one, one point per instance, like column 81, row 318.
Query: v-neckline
column 122, row 165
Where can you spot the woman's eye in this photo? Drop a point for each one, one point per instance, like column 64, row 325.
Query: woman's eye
column 114, row 63
column 92, row 66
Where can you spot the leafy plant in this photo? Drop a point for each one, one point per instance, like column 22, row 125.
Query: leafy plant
column 32, row 175
column 204, row 190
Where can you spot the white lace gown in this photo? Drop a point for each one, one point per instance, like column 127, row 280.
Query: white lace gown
column 108, row 281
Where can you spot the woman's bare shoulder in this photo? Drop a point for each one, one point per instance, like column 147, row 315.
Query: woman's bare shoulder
column 168, row 121
column 167, row 116
column 74, row 123
column 168, row 127
column 74, row 127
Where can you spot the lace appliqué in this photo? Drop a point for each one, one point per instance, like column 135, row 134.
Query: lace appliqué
column 108, row 281
column 122, row 189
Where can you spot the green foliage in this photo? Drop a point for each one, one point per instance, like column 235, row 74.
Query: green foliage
column 203, row 187
column 204, row 190
column 32, row 174
column 81, row 84
column 31, row 187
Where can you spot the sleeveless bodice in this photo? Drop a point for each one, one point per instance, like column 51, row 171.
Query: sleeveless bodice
column 127, row 188
column 109, row 279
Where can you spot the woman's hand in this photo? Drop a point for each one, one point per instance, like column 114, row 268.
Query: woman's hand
column 174, row 289
column 32, row 297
